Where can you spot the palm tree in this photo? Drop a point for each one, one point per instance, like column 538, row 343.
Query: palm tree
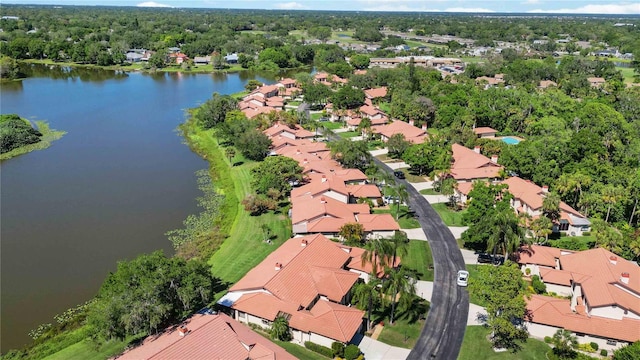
column 280, row 329
column 400, row 244
column 399, row 283
column 611, row 194
column 367, row 294
column 401, row 192
column 542, row 228
column 506, row 235
column 563, row 343
column 551, row 206
column 377, row 252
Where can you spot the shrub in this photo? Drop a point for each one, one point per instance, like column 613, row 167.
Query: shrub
column 604, row 352
column 527, row 271
column 586, row 233
column 547, row 339
column 338, row 349
column 322, row 350
column 258, row 204
column 594, row 346
column 351, row 352
column 538, row 285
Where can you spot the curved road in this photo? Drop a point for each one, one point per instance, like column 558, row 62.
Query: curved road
column 446, row 322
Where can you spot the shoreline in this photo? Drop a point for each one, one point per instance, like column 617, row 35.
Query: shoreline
column 48, row 136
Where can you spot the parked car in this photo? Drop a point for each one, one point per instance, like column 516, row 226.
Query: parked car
column 484, row 258
column 390, row 199
column 463, row 278
column 399, row 174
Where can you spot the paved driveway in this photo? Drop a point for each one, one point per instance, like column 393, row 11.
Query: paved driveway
column 415, row 234
column 376, row 350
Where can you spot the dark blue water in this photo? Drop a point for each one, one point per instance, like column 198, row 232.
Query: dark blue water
column 106, row 191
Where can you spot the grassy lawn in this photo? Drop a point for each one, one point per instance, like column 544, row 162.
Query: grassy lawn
column 476, row 346
column 349, row 134
column 627, row 74
column 245, row 248
column 406, row 220
column 574, row 242
column 332, row 125
column 414, row 43
column 429, row 192
column 407, row 324
column 294, row 103
column 473, row 59
column 419, row 259
column 412, row 178
column 85, row 350
column 449, row 217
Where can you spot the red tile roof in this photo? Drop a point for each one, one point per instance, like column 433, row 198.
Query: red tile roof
column 208, row 337
column 557, row 312
column 411, row 133
column 378, row 222
column 484, row 130
column 469, row 165
column 376, row 93
column 364, row 191
column 307, row 208
column 316, row 269
column 295, row 130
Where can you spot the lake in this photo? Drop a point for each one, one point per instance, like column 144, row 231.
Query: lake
column 108, row 190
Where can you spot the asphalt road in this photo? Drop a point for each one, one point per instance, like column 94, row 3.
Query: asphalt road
column 446, row 322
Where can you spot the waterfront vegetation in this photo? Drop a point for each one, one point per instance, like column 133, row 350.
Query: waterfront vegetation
column 19, row 137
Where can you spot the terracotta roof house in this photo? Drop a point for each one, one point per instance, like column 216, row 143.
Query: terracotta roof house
column 292, row 132
column 469, row 165
column 335, row 187
column 490, row 81
column 321, row 77
column 308, row 281
column 485, row 132
column 544, row 84
column 376, row 93
column 528, row 198
column 266, row 91
column 596, row 81
column 411, row 133
column 462, row 190
column 206, row 337
column 371, row 112
column 604, row 291
column 322, row 214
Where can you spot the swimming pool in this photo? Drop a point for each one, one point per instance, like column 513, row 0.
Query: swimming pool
column 510, row 140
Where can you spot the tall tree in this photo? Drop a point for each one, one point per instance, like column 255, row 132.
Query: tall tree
column 377, row 252
column 280, row 329
column 398, row 283
column 367, row 295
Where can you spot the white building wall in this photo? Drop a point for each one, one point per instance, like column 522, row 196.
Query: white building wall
column 559, row 289
column 321, row 340
column 381, row 234
column 540, row 331
column 535, row 270
column 362, row 275
column 611, row 312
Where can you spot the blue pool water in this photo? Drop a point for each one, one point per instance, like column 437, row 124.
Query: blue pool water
column 510, row 140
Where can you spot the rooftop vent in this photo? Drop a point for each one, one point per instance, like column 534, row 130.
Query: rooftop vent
column 182, row 331
column 278, row 266
column 304, row 242
column 476, row 149
column 613, row 259
column 624, row 277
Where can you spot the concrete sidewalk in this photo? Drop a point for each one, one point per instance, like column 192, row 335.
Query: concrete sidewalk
column 457, row 231
column 379, row 152
column 477, row 315
column 424, row 289
column 422, row 185
column 415, row 234
column 435, row 199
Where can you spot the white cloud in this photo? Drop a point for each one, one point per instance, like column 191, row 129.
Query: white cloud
column 625, row 9
column 290, row 6
column 531, row 2
column 153, row 4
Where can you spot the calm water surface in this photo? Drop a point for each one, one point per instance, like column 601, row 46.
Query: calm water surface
column 106, row 191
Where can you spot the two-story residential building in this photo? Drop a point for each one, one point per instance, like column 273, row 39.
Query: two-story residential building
column 528, row 198
column 603, row 291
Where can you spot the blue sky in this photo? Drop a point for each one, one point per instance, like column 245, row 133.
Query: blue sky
column 549, row 6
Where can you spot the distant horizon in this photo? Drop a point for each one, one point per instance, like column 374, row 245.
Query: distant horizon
column 532, row 7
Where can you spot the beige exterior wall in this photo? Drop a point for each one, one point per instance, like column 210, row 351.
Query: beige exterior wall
column 559, row 289
column 381, row 234
column 337, row 196
column 300, row 228
column 321, row 340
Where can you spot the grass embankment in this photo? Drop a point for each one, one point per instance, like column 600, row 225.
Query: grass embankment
column 48, row 135
column 86, row 350
column 628, row 74
column 245, row 247
column 449, row 217
column 476, row 346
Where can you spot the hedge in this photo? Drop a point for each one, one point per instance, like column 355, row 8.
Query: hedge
column 322, row 350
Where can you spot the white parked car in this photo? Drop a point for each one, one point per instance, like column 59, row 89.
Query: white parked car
column 463, row 278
